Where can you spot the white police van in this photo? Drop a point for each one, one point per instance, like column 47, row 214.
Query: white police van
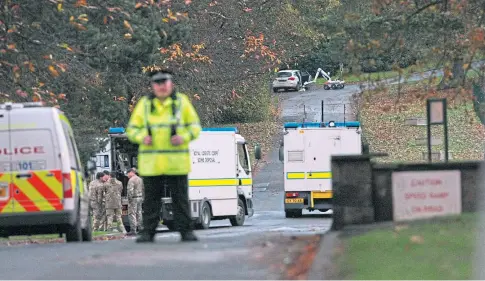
column 42, row 186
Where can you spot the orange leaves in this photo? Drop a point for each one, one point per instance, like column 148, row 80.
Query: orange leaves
column 30, row 66
column 174, row 52
column 174, row 16
column 127, row 25
column 119, row 98
column 53, row 71
column 83, row 17
column 12, row 47
column 477, row 38
column 81, row 3
column 255, row 45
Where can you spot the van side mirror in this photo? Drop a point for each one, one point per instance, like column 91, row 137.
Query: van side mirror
column 257, row 152
column 91, row 166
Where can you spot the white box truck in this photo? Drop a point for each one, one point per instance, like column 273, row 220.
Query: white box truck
column 220, row 184
column 306, row 152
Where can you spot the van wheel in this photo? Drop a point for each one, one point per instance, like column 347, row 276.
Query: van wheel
column 87, row 233
column 293, row 213
column 238, row 220
column 205, row 217
column 74, row 232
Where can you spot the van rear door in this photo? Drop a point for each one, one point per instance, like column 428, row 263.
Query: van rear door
column 6, row 204
column 35, row 165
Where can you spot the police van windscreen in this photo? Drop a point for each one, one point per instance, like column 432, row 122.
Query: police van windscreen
column 29, row 150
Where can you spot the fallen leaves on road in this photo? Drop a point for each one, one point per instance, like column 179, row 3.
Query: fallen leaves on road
column 291, row 262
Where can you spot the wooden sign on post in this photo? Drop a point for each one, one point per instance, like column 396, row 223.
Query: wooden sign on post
column 437, row 115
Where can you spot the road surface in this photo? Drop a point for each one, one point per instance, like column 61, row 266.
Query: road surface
column 224, row 252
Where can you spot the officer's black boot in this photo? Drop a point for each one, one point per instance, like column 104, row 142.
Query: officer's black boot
column 189, row 236
column 145, row 238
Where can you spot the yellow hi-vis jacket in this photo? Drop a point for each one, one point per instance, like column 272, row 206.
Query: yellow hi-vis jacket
column 161, row 157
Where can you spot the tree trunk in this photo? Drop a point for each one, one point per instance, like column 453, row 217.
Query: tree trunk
column 458, row 73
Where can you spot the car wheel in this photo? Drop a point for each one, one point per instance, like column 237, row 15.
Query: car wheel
column 238, row 220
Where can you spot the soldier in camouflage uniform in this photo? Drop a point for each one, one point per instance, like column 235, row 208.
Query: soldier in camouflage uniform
column 135, row 199
column 113, row 189
column 95, row 196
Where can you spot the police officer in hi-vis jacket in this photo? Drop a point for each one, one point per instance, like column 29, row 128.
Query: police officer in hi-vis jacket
column 163, row 124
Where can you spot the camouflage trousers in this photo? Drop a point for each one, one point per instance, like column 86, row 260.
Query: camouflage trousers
column 98, row 217
column 134, row 213
column 114, row 215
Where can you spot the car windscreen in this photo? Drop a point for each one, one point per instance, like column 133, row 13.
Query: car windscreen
column 284, row 74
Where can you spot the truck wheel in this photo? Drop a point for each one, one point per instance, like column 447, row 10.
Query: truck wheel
column 275, row 90
column 205, row 217
column 323, row 210
column 293, row 213
column 238, row 220
column 170, row 225
column 87, row 233
column 74, row 232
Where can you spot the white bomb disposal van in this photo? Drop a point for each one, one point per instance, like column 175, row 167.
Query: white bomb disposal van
column 41, row 178
column 306, row 152
column 220, row 184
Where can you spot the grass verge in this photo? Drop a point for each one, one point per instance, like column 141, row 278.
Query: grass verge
column 437, row 250
column 383, row 114
column 43, row 239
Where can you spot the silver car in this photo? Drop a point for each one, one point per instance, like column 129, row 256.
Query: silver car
column 287, row 79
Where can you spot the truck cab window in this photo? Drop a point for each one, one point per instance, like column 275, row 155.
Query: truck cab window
column 243, row 157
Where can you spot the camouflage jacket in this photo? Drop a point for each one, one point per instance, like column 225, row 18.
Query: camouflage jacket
column 135, row 187
column 113, row 189
column 96, row 192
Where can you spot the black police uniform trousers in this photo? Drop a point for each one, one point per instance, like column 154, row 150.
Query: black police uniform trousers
column 154, row 191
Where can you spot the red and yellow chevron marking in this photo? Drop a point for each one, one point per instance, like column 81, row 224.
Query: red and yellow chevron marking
column 38, row 193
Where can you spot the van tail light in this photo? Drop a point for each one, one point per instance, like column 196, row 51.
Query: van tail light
column 66, row 185
column 291, row 194
column 291, row 78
